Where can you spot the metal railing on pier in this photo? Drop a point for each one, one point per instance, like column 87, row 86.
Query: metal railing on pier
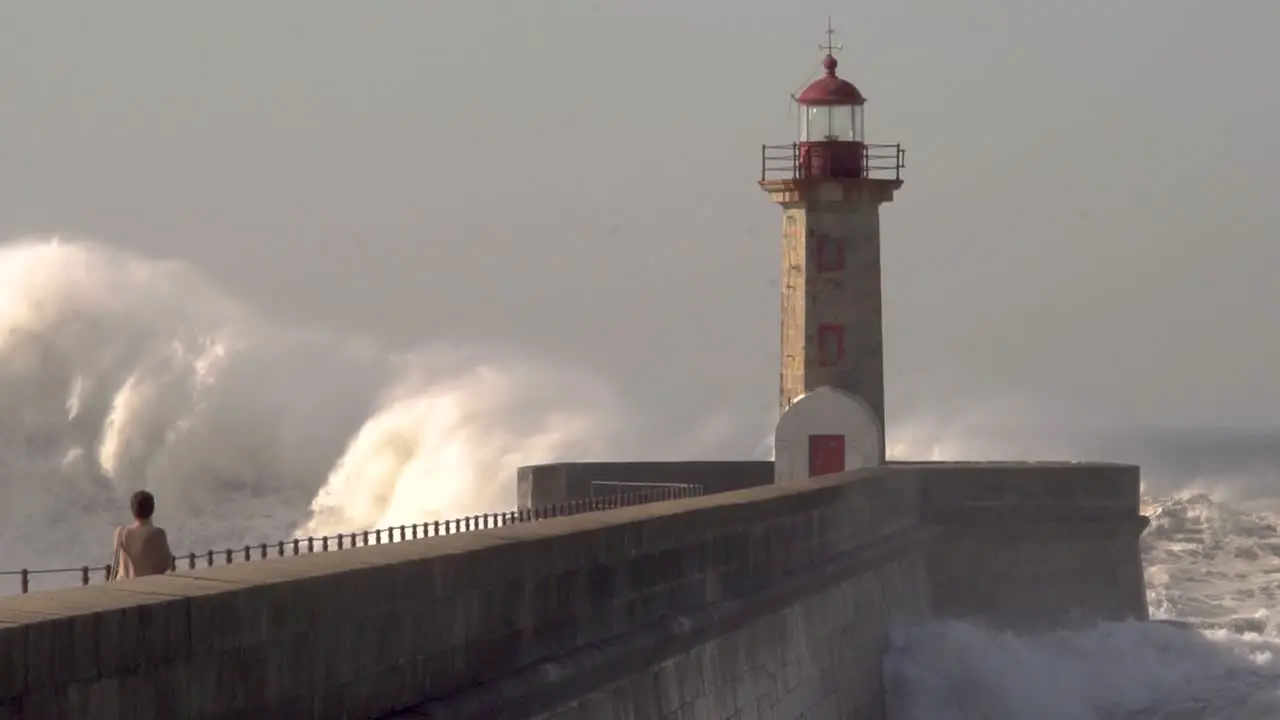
column 87, row 574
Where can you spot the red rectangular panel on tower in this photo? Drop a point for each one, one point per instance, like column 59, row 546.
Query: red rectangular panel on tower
column 828, row 253
column 826, row 454
column 830, row 344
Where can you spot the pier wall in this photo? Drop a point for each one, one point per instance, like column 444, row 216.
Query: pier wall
column 774, row 601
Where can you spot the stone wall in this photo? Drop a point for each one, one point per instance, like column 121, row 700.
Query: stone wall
column 555, row 483
column 768, row 602
column 1025, row 546
column 817, row 657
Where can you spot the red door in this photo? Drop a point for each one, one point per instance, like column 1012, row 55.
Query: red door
column 826, row 454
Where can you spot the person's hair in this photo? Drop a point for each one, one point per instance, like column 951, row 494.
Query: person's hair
column 143, row 505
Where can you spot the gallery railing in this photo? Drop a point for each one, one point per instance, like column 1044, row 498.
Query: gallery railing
column 844, row 160
column 400, row 533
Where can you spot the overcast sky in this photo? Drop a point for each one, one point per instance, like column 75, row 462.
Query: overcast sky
column 1088, row 219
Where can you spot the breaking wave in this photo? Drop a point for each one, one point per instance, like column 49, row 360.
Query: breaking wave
column 119, row 372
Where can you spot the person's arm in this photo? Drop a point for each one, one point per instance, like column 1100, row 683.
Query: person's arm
column 165, row 551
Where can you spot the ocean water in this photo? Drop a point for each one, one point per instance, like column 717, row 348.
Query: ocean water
column 119, row 372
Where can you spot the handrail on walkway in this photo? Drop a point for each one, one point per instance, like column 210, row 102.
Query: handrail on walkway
column 419, row 531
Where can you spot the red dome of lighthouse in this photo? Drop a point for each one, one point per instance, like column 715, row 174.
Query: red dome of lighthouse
column 829, row 89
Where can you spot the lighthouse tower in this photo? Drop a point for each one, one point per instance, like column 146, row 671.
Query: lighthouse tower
column 830, row 183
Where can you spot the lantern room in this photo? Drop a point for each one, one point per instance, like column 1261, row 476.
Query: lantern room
column 831, row 126
column 830, row 142
column 831, row 108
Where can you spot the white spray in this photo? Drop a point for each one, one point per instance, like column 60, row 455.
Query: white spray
column 119, row 372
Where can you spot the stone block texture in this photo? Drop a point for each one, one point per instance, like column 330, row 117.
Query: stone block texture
column 768, row 602
column 817, row 658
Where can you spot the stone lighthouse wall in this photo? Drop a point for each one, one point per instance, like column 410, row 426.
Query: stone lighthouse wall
column 831, row 318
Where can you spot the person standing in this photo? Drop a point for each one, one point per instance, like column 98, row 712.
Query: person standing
column 141, row 549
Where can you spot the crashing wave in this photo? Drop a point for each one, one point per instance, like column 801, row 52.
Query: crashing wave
column 119, row 372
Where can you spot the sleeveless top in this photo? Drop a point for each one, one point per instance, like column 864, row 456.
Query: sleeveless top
column 140, row 550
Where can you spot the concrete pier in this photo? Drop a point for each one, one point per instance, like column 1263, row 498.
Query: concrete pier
column 773, row 601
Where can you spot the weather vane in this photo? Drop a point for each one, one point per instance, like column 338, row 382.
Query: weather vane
column 830, row 47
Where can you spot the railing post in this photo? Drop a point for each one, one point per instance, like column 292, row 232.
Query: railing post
column 264, row 551
column 248, row 553
column 210, row 558
column 84, row 575
column 280, row 548
column 228, row 553
column 324, row 544
column 311, row 545
column 297, row 545
column 26, row 581
column 191, row 561
column 106, row 572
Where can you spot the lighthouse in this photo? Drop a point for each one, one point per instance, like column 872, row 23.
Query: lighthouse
column 830, row 183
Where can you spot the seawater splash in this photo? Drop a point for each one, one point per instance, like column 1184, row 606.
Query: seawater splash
column 1212, row 565
column 119, row 372
column 1130, row 671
